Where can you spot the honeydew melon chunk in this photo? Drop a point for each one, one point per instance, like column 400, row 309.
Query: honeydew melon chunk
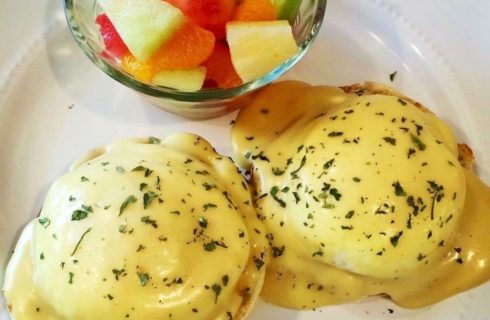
column 286, row 9
column 259, row 47
column 184, row 80
column 144, row 25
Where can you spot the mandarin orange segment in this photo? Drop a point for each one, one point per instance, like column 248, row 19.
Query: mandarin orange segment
column 142, row 71
column 255, row 10
column 220, row 69
column 188, row 48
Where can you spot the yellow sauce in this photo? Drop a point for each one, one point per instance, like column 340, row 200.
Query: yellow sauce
column 361, row 195
column 144, row 229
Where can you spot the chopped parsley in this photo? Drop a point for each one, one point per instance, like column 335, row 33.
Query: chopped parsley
column 80, row 241
column 278, row 251
column 153, row 140
column 81, row 214
column 217, row 291
column 207, row 206
column 334, row 134
column 390, row 140
column 335, row 193
column 393, row 75
column 129, row 199
column 144, row 278
column 259, row 263
column 147, row 220
column 399, row 189
column 119, row 273
column 420, row 145
column 203, row 222
column 277, row 171
column 148, row 197
column 45, row 222
column 209, row 246
column 395, row 238
column 273, row 192
column 294, row 173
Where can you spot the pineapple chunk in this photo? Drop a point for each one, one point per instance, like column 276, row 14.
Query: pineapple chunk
column 184, row 80
column 259, row 47
column 144, row 25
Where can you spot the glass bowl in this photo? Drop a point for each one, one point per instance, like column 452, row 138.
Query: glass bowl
column 206, row 103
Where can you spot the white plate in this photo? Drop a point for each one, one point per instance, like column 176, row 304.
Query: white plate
column 55, row 105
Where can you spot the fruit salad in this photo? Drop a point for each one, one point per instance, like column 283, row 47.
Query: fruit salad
column 191, row 45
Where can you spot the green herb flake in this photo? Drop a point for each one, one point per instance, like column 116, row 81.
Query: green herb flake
column 402, row 102
column 144, row 278
column 335, row 193
column 225, row 280
column 208, row 186
column 80, row 241
column 259, row 263
column 217, row 291
column 356, row 179
column 209, row 246
column 129, row 199
column 122, row 228
column 147, row 220
column 294, row 174
column 335, row 134
column 153, row 140
column 203, row 222
column 70, row 277
column 395, row 238
column 209, row 206
column 393, row 75
column 84, row 179
column 120, row 170
column 118, row 273
column 45, row 222
column 296, row 197
column 399, row 191
column 278, row 251
column 143, row 186
column 147, row 171
column 328, row 164
column 390, row 140
column 277, row 171
column 273, row 192
column 350, row 214
column 317, row 253
column 420, row 145
column 148, row 197
column 78, row 215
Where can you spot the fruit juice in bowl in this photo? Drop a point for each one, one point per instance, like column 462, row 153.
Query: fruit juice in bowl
column 196, row 58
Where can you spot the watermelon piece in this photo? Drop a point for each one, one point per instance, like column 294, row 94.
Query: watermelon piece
column 114, row 45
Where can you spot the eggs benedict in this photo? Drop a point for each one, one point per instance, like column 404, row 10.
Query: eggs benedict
column 363, row 192
column 141, row 229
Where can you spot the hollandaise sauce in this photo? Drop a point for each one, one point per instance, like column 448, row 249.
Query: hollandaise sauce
column 362, row 194
column 142, row 229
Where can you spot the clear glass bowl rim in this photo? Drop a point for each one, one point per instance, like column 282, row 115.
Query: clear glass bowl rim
column 201, row 95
